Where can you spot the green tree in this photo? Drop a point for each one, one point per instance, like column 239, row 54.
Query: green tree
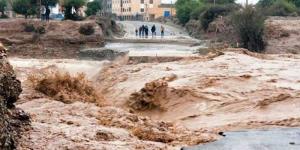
column 93, row 7
column 69, row 4
column 184, row 8
column 214, row 11
column 296, row 2
column 265, row 3
column 49, row 2
column 282, row 8
column 249, row 24
column 196, row 13
column 25, row 7
column 219, row 1
column 2, row 7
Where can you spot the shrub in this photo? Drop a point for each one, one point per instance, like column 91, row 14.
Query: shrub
column 3, row 16
column 93, row 7
column 249, row 24
column 25, row 7
column 194, row 28
column 211, row 13
column 296, row 2
column 3, row 5
column 184, row 9
column 29, row 27
column 265, row 3
column 282, row 8
column 219, row 1
column 87, row 29
column 76, row 4
column 196, row 13
column 64, row 87
column 40, row 30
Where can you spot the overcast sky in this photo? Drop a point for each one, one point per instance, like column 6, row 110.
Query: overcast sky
column 238, row 1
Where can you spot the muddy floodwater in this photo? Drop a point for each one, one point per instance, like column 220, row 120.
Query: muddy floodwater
column 24, row 67
column 154, row 49
column 184, row 102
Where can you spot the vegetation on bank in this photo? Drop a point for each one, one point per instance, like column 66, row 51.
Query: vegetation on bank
column 71, row 7
column 2, row 8
column 93, row 7
column 230, row 22
column 250, row 27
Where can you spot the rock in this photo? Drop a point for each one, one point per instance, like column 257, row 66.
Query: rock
column 109, row 26
column 101, row 54
column 11, row 118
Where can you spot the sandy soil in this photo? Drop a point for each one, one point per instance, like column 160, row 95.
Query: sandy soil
column 283, row 35
column 60, row 40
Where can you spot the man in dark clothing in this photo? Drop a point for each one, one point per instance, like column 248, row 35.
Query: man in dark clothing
column 140, row 32
column 47, row 13
column 143, row 31
column 162, row 31
column 153, row 30
column 136, row 32
column 146, row 31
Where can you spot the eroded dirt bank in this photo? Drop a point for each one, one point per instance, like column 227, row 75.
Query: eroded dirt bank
column 12, row 120
column 36, row 39
column 168, row 105
column 282, row 34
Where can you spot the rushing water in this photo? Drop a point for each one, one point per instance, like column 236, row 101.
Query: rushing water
column 73, row 66
column 154, row 49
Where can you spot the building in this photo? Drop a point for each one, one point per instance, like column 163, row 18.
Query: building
column 107, row 6
column 138, row 9
column 158, row 9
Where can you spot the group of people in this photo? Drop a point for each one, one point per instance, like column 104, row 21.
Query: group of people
column 143, row 31
column 45, row 13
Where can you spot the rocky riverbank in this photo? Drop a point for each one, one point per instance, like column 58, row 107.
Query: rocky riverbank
column 12, row 120
column 55, row 39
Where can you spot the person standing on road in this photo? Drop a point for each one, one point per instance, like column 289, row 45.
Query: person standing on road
column 143, row 31
column 136, row 32
column 43, row 12
column 47, row 13
column 162, row 31
column 146, row 31
column 140, row 32
column 153, row 30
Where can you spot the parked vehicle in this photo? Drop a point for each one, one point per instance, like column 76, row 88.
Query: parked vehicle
column 58, row 16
